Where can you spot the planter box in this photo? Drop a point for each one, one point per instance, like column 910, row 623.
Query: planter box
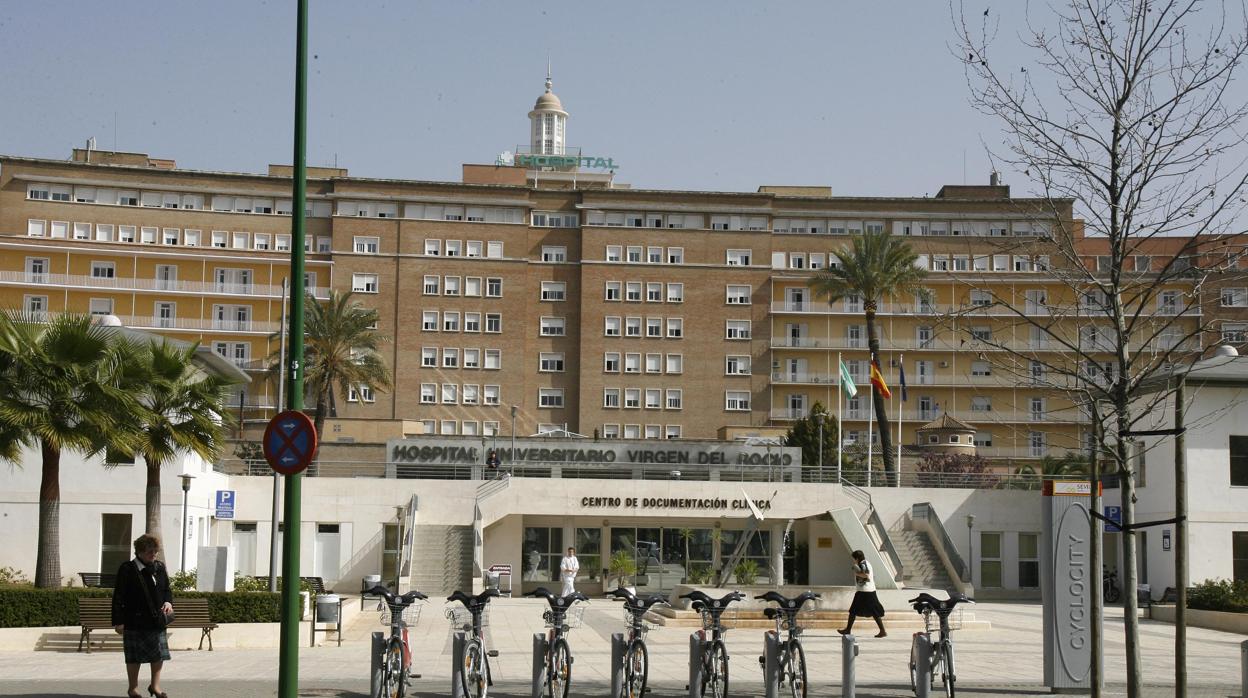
column 1213, row 620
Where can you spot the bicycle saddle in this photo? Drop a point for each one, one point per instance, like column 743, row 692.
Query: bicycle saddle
column 404, row 599
column 789, row 605
column 711, row 602
column 470, row 601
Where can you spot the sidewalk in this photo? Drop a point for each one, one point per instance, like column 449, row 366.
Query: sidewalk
column 1005, row 660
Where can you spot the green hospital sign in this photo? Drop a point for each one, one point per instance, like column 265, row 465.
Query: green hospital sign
column 587, row 161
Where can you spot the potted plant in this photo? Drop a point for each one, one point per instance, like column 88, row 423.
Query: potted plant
column 746, row 572
column 623, row 567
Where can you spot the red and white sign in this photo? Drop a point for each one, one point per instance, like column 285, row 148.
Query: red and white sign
column 1068, row 488
column 500, row 569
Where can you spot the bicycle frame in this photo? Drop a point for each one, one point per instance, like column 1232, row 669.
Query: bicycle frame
column 398, row 633
column 785, row 616
column 555, row 639
column 942, row 649
column 476, row 606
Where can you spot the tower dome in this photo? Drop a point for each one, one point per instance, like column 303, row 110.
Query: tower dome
column 548, row 123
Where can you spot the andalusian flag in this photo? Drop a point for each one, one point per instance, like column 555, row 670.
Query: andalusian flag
column 847, row 382
column 877, row 379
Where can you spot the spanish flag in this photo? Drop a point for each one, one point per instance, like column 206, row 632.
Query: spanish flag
column 877, row 379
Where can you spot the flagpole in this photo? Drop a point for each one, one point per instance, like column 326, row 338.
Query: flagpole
column 870, row 411
column 840, row 416
column 901, row 371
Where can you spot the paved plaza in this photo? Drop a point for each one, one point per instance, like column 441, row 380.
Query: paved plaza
column 1004, row 660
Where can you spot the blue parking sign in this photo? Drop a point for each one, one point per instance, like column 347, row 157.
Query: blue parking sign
column 1114, row 514
column 225, row 504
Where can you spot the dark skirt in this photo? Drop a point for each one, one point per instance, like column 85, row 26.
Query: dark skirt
column 866, row 603
column 145, row 646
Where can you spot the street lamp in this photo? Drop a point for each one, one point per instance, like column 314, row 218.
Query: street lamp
column 970, row 547
column 186, row 490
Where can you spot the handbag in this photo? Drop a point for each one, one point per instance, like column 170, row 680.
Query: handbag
column 161, row 620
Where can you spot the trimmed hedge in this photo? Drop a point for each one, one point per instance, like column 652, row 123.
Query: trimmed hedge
column 27, row 607
column 1219, row 595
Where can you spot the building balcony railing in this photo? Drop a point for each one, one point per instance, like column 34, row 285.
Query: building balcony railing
column 159, row 285
column 912, row 381
column 971, row 416
column 199, row 325
column 1030, row 309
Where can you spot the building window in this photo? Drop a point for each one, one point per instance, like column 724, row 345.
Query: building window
column 632, row 398
column 1239, row 461
column 737, row 401
column 738, row 258
column 654, row 292
column 490, row 394
column 1239, row 556
column 738, row 295
column 675, row 293
column 428, row 393
column 472, row 322
column 611, row 326
column 674, row 399
column 672, row 431
column 632, row 363
column 543, row 550
column 554, row 253
column 981, row 368
column 472, row 358
column 493, row 323
column 432, row 285
column 552, row 362
column 612, row 291
column 654, row 363
column 654, row 327
column 429, row 357
column 738, row 329
column 611, row 398
column 675, row 255
column 364, row 283
column 632, row 291
column 450, row 321
column 613, row 253
column 675, row 327
column 675, row 363
column 632, row 327
column 1029, row 560
column 366, row 245
column 493, row 288
column 554, row 290
column 737, row 365
column 450, row 393
column 454, row 248
column 550, row 397
column 552, row 327
column 654, row 398
column 450, row 358
column 451, row 286
column 990, row 560
column 634, row 255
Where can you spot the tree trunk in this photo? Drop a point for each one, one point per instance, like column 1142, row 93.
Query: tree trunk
column 881, row 409
column 322, row 406
column 48, row 557
column 1130, row 576
column 151, row 503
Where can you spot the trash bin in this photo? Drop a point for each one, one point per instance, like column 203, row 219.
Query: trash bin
column 491, row 580
column 370, row 581
column 327, row 608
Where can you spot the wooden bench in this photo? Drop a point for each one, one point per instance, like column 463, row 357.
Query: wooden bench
column 317, row 583
column 96, row 613
column 98, row 579
column 1171, row 595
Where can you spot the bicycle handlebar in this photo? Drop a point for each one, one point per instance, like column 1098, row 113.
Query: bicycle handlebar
column 713, row 603
column 473, row 601
column 401, row 600
column 789, row 605
column 926, row 602
column 558, row 603
column 634, row 602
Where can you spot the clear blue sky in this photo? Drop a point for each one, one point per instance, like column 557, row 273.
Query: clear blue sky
column 706, row 95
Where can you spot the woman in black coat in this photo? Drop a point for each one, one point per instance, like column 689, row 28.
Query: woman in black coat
column 140, row 594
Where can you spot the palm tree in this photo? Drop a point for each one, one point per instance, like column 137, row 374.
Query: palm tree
column 341, row 351
column 62, row 388
column 184, row 410
column 874, row 266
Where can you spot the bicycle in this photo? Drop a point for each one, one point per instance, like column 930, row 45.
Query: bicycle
column 714, row 653
column 636, row 656
column 399, row 613
column 1109, row 585
column 475, row 678
column 792, row 660
column 558, row 658
column 942, row 650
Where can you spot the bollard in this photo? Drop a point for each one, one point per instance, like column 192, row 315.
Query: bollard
column 849, row 654
column 771, row 665
column 617, row 665
column 1243, row 669
column 539, row 665
column 696, row 646
column 923, row 672
column 374, row 674
column 458, row 642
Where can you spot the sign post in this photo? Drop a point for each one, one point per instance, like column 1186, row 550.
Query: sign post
column 1067, row 583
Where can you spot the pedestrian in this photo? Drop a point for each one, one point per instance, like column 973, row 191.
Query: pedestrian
column 568, row 568
column 491, row 462
column 865, row 602
column 142, row 603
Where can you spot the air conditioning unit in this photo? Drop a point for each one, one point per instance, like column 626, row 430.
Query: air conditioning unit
column 944, row 364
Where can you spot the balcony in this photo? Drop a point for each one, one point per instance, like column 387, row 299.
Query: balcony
column 155, row 285
column 1030, row 309
column 862, row 414
column 199, row 325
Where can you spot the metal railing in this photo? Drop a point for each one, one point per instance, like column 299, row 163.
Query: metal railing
column 133, row 284
column 875, row 523
column 924, row 510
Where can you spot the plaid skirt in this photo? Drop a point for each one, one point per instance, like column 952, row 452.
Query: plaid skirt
column 145, row 646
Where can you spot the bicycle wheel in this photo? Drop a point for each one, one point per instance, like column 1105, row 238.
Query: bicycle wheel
column 473, row 677
column 795, row 669
column 559, row 670
column 392, row 672
column 715, row 672
column 947, row 674
column 636, row 666
column 1112, row 595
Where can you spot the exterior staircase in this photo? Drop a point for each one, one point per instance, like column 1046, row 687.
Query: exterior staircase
column 923, row 568
column 441, row 559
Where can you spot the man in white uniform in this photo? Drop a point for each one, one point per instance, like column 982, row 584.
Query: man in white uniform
column 568, row 568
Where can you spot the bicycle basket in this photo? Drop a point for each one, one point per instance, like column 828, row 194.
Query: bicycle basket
column 726, row 616
column 410, row 617
column 931, row 621
column 801, row 620
column 572, row 618
column 628, row 620
column 461, row 618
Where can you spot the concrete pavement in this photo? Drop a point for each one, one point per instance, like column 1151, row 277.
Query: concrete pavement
column 1004, row 660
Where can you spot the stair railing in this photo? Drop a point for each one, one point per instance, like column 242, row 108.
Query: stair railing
column 944, row 543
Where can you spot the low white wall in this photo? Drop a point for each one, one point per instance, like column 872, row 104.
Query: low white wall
column 1214, row 620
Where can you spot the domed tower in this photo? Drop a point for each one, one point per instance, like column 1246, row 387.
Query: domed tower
column 549, row 123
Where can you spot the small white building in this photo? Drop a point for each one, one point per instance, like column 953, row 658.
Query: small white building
column 1216, row 420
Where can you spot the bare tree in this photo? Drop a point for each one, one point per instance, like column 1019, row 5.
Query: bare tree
column 1129, row 112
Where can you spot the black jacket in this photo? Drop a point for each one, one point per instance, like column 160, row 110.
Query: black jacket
column 130, row 604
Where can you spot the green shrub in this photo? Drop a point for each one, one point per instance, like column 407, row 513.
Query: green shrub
column 622, row 566
column 700, row 574
column 10, row 576
column 1219, row 595
column 746, row 572
column 22, row 607
column 183, row 581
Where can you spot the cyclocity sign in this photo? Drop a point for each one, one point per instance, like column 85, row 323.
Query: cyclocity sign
column 1067, row 581
column 289, row 442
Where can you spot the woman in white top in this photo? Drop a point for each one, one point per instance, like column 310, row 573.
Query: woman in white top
column 568, row 568
column 865, row 602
